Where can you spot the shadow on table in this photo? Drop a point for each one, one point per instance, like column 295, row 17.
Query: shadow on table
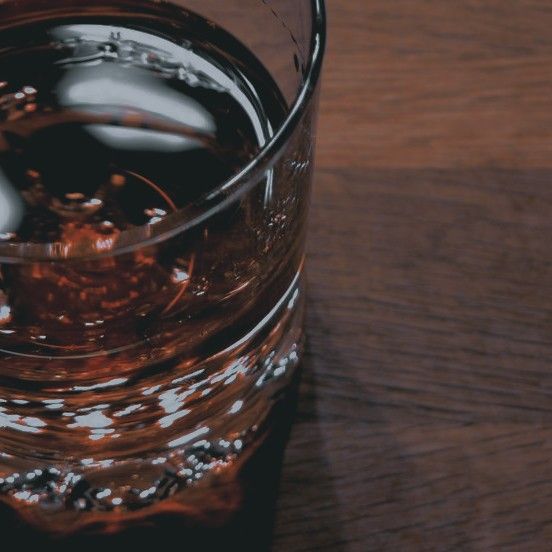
column 308, row 509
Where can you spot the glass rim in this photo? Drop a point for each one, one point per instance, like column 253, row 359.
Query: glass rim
column 208, row 205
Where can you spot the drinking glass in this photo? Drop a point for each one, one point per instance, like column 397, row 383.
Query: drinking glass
column 142, row 372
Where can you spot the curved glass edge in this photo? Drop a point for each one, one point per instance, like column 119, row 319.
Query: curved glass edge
column 216, row 201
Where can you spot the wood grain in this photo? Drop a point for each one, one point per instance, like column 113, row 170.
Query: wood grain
column 425, row 420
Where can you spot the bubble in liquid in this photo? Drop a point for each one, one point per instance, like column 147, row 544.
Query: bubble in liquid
column 155, row 212
column 75, row 205
column 179, row 276
column 5, row 309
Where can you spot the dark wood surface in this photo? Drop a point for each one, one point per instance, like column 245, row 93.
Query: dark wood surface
column 425, row 420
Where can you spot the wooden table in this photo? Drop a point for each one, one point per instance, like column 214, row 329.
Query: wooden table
column 425, row 420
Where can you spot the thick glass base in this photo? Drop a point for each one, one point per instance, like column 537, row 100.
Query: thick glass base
column 212, row 457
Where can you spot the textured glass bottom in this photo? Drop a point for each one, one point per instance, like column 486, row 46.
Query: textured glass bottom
column 212, row 416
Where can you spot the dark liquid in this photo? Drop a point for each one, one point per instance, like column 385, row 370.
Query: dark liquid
column 136, row 389
column 105, row 127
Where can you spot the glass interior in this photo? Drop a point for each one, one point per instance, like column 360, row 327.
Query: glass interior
column 287, row 37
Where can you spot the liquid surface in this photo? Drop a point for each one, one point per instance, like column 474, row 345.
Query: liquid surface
column 147, row 379
column 106, row 127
